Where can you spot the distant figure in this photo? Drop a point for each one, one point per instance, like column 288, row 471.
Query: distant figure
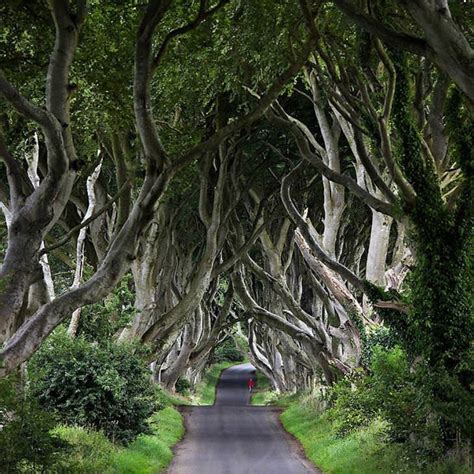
column 251, row 384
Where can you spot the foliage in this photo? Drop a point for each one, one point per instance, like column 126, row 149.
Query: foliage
column 25, row 439
column 227, row 351
column 182, row 386
column 106, row 387
column 99, row 322
column 363, row 451
column 392, row 392
column 90, row 451
column 380, row 336
column 151, row 453
column 246, row 43
column 367, row 449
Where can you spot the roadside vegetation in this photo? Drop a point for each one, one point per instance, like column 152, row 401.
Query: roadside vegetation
column 90, row 451
column 369, row 423
column 89, row 406
column 151, row 453
column 87, row 409
column 367, row 449
column 263, row 393
column 185, row 181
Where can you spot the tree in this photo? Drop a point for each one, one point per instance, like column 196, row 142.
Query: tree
column 40, row 209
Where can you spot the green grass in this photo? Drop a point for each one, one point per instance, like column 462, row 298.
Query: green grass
column 92, row 453
column 205, row 392
column 263, row 393
column 365, row 451
column 350, row 455
column 167, row 398
column 89, row 452
column 151, row 453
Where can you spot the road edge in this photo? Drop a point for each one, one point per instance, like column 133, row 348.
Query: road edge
column 294, row 441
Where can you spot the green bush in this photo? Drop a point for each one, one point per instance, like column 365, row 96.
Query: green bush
column 353, row 404
column 399, row 395
column 105, row 387
column 380, row 336
column 391, row 392
column 26, row 443
column 182, row 386
column 227, row 351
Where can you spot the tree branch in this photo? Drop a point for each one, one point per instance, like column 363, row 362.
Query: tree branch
column 410, row 43
column 300, row 222
column 86, row 222
column 202, row 16
column 330, row 174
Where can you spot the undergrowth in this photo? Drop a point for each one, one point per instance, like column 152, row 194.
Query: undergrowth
column 366, row 450
column 91, row 452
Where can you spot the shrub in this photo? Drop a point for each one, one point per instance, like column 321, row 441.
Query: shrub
column 182, row 386
column 353, row 404
column 398, row 394
column 392, row 392
column 227, row 351
column 380, row 336
column 25, row 439
column 105, row 387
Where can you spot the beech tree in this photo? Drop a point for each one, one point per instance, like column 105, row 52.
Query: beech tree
column 34, row 214
column 299, row 170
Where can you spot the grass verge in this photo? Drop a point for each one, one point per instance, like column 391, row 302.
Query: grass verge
column 151, row 453
column 263, row 393
column 205, row 393
column 92, row 453
column 364, row 451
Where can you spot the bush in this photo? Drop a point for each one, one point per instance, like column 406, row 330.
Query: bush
column 353, row 405
column 399, row 395
column 105, row 387
column 378, row 337
column 26, row 443
column 227, row 351
column 182, row 386
column 391, row 392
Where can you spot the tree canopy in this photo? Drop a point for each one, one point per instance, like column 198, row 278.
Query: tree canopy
column 300, row 170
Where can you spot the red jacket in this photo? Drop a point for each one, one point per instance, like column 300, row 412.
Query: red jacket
column 251, row 383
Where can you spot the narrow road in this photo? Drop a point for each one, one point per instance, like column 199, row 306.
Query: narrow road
column 233, row 437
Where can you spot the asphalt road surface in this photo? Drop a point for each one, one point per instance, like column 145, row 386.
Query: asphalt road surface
column 233, row 437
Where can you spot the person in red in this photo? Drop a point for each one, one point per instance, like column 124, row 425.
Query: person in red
column 251, row 384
